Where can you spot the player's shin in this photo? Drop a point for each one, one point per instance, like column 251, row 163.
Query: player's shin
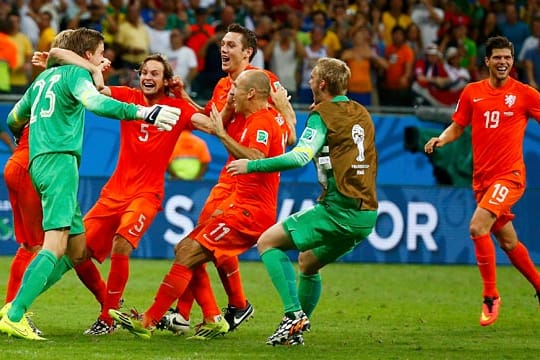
column 172, row 287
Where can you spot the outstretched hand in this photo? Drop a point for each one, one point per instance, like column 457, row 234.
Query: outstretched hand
column 177, row 87
column 433, row 143
column 161, row 116
column 39, row 59
column 280, row 98
column 237, row 167
column 217, row 122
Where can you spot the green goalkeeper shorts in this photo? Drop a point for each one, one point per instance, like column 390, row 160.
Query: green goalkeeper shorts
column 56, row 179
column 329, row 231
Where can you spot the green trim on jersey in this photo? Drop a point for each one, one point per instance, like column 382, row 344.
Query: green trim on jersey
column 312, row 140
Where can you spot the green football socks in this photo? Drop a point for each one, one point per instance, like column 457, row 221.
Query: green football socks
column 34, row 280
column 283, row 276
column 63, row 265
column 309, row 292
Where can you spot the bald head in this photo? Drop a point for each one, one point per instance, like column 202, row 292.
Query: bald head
column 255, row 79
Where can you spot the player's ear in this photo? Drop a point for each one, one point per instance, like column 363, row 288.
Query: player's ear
column 249, row 51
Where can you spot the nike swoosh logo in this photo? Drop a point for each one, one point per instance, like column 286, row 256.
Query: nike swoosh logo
column 477, row 99
column 493, row 202
column 22, row 332
column 153, row 115
column 484, row 317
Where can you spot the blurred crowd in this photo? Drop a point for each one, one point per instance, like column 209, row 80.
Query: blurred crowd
column 401, row 53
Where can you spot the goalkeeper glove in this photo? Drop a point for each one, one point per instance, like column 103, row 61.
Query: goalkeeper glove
column 161, row 116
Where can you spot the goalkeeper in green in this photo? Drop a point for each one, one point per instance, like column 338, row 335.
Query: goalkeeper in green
column 340, row 137
column 54, row 107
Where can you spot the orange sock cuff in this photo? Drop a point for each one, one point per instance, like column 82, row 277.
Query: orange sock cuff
column 185, row 303
column 519, row 257
column 173, row 286
column 90, row 276
column 202, row 290
column 116, row 284
column 486, row 260
column 20, row 262
column 229, row 273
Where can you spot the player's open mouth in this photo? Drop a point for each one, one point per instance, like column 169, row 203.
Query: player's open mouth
column 225, row 60
column 148, row 85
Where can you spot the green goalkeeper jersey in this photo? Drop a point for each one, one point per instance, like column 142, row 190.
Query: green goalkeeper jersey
column 55, row 105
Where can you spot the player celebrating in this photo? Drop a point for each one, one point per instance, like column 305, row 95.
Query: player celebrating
column 26, row 205
column 131, row 198
column 238, row 48
column 232, row 230
column 347, row 209
column 497, row 109
column 62, row 94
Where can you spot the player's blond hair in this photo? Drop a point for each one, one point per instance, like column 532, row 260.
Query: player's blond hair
column 82, row 40
column 60, row 39
column 335, row 73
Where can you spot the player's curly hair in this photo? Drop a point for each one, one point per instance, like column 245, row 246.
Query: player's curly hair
column 249, row 39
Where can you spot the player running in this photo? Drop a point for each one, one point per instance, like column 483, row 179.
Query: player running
column 497, row 109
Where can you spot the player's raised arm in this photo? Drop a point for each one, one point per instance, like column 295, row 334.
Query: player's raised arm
column 281, row 100
column 451, row 133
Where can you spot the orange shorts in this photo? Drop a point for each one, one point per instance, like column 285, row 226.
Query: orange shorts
column 128, row 219
column 25, row 205
column 218, row 194
column 230, row 233
column 498, row 199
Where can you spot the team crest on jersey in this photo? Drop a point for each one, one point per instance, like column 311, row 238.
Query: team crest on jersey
column 510, row 100
column 262, row 137
column 309, row 134
column 280, row 119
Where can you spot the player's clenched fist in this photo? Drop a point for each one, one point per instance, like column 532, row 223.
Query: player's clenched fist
column 161, row 116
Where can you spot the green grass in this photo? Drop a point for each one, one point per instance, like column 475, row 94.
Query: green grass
column 367, row 311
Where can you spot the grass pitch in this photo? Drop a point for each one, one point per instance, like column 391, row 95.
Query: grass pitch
column 367, row 311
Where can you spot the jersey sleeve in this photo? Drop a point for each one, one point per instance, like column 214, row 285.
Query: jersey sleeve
column 219, row 96
column 121, row 93
column 19, row 116
column 274, row 81
column 311, row 141
column 463, row 111
column 533, row 103
column 83, row 90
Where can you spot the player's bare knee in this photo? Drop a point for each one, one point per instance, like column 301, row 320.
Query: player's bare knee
column 262, row 246
column 121, row 246
column 308, row 263
column 507, row 244
column 190, row 253
column 477, row 229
